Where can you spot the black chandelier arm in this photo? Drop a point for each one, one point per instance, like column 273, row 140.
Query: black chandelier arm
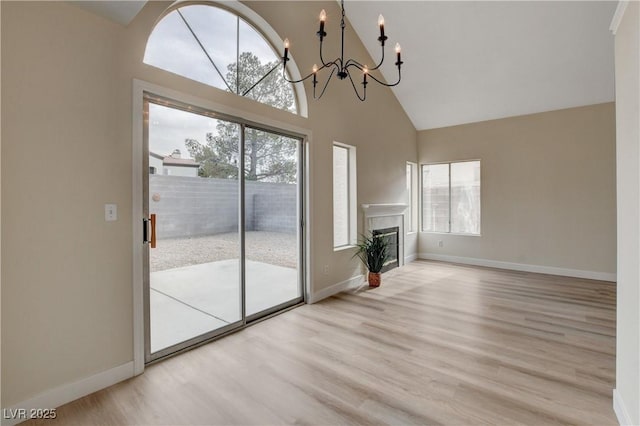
column 388, row 85
column 380, row 81
column 332, row 64
column 284, row 75
column 354, row 63
column 358, row 66
column 324, row 64
column 351, row 62
column 326, row 84
column 355, row 89
column 306, row 77
column 379, row 63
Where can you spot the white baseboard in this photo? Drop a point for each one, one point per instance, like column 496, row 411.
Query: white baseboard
column 551, row 270
column 621, row 411
column 61, row 395
column 350, row 284
column 410, row 258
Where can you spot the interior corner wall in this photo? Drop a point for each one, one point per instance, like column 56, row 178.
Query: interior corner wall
column 67, row 151
column 548, row 195
column 627, row 57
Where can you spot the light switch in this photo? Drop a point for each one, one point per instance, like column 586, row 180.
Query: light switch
column 110, row 212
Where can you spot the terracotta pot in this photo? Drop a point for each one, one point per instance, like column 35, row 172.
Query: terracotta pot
column 374, row 279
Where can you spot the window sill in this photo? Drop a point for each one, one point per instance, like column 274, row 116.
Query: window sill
column 342, row 248
column 451, row 233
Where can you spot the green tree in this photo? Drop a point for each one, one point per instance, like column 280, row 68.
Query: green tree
column 212, row 164
column 273, row 90
column 268, row 157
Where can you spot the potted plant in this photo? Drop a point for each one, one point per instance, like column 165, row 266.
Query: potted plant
column 372, row 251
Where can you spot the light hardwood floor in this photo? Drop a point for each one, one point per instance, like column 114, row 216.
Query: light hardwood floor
column 436, row 344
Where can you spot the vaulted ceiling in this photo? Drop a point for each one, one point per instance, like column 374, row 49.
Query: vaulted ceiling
column 476, row 61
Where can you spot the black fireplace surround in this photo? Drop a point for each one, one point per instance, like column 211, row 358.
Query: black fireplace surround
column 393, row 249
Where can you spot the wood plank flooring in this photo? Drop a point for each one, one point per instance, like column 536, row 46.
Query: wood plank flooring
column 436, row 344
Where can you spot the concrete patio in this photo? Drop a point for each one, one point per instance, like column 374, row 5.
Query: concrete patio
column 192, row 300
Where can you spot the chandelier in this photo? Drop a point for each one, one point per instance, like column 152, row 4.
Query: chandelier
column 340, row 67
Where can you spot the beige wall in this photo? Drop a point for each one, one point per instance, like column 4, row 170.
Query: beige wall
column 66, row 273
column 547, row 191
column 0, row 207
column 67, row 115
column 627, row 54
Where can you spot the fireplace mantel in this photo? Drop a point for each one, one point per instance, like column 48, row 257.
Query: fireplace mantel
column 387, row 209
column 387, row 215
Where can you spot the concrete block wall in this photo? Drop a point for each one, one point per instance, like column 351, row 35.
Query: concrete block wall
column 194, row 206
column 274, row 206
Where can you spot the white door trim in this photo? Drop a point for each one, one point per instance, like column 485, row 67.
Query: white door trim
column 136, row 208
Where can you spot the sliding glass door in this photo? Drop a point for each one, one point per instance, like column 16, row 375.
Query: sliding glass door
column 223, row 208
column 272, row 225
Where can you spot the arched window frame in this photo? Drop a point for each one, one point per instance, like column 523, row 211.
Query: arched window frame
column 260, row 25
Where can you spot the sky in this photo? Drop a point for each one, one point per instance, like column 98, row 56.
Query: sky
column 172, row 47
column 169, row 127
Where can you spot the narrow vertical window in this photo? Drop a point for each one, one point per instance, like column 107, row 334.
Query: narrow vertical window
column 412, row 197
column 451, row 197
column 344, row 194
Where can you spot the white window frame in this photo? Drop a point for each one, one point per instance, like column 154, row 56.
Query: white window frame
column 421, row 212
column 352, row 192
column 413, row 199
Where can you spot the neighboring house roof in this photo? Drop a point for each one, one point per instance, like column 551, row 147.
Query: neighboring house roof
column 170, row 160
column 179, row 162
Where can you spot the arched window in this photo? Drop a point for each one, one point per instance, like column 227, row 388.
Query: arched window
column 217, row 47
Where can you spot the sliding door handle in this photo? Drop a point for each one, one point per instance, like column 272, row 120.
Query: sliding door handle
column 149, row 230
column 152, row 241
column 145, row 231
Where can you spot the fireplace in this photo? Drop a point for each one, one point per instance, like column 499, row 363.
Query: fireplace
column 393, row 246
column 385, row 218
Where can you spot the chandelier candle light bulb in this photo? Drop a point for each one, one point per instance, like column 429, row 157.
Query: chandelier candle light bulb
column 315, row 71
column 323, row 18
column 286, row 50
column 341, row 67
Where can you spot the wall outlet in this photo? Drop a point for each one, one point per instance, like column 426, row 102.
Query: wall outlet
column 325, row 269
column 440, row 243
